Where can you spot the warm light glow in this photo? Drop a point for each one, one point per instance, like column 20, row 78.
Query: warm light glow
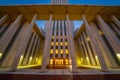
column 66, row 43
column 56, row 51
column 51, row 61
column 82, row 60
column 20, row 61
column 66, row 51
column 97, row 60
column 61, row 43
column 118, row 55
column 30, row 58
column 88, row 61
column 88, row 39
column 66, row 61
column 100, row 32
column 52, row 43
column 56, row 43
column 61, row 51
column 0, row 55
column 51, row 51
column 36, row 59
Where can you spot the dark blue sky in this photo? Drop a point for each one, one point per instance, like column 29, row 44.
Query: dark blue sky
column 92, row 2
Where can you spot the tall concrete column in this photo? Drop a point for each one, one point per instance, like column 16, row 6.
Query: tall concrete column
column 96, row 46
column 116, row 20
column 27, row 56
column 89, row 50
column 24, row 44
column 81, row 52
column 112, row 39
column 71, row 44
column 46, row 52
column 85, row 50
column 9, row 34
column 63, row 38
column 3, row 19
column 106, row 53
column 14, row 48
column 33, row 49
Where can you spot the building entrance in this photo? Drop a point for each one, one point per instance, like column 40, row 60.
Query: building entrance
column 60, row 61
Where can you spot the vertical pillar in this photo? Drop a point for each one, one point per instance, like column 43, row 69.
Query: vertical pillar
column 9, row 34
column 89, row 50
column 83, row 58
column 26, row 57
column 63, row 36
column 46, row 51
column 14, row 48
column 23, row 44
column 106, row 53
column 3, row 19
column 94, row 42
column 116, row 20
column 71, row 45
column 59, row 37
column 114, row 42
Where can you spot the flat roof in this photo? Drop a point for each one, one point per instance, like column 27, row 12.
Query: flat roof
column 59, row 11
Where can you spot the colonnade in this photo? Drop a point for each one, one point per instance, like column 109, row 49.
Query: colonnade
column 21, row 42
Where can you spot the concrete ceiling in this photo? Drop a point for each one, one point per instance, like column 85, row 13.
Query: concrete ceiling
column 59, row 11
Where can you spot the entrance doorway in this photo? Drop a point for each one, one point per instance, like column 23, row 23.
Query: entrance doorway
column 59, row 63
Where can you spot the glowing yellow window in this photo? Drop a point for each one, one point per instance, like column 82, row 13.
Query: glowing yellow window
column 51, row 61
column 56, row 43
column 66, row 51
column 66, row 43
column 51, row 51
column 66, row 61
column 52, row 43
column 56, row 51
column 61, row 51
column 61, row 43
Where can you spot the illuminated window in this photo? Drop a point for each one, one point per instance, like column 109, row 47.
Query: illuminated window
column 56, row 43
column 66, row 51
column 56, row 51
column 66, row 43
column 66, row 61
column 51, row 51
column 61, row 51
column 61, row 43
column 51, row 61
column 52, row 43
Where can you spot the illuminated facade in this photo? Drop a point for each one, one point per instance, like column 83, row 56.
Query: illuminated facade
column 95, row 44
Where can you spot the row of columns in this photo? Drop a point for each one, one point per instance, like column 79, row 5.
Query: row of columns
column 98, row 44
column 21, row 32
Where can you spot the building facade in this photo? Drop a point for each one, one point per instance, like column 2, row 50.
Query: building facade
column 95, row 44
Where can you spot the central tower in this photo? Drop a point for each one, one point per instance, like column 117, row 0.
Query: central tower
column 59, row 1
column 59, row 50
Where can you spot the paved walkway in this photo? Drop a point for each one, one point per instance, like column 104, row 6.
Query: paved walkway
column 61, row 72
